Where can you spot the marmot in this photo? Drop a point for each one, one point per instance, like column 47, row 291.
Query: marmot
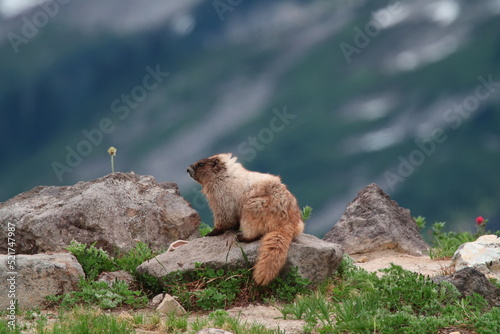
column 257, row 203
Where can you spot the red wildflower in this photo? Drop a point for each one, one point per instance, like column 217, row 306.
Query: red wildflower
column 479, row 220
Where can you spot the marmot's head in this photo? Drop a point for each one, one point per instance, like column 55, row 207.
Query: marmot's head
column 211, row 169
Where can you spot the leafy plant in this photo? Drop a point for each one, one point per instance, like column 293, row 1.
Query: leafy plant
column 306, row 212
column 420, row 221
column 93, row 260
column 205, row 229
column 444, row 244
column 129, row 261
column 100, row 294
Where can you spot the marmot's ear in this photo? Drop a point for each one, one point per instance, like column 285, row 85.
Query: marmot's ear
column 215, row 163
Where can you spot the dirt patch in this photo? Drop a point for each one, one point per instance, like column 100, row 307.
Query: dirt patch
column 420, row 264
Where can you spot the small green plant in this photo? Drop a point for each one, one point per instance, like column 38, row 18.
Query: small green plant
column 176, row 323
column 306, row 212
column 205, row 229
column 112, row 153
column 100, row 294
column 218, row 317
column 444, row 244
column 129, row 261
column 93, row 260
column 420, row 221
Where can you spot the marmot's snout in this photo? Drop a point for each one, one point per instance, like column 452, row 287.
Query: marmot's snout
column 190, row 171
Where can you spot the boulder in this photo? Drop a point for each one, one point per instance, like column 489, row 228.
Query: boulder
column 469, row 281
column 374, row 222
column 33, row 277
column 115, row 211
column 315, row 259
column 482, row 254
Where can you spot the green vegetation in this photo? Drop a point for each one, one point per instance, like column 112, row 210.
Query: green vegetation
column 444, row 244
column 205, row 229
column 209, row 289
column 95, row 261
column 306, row 213
column 355, row 301
column 102, row 295
column 351, row 301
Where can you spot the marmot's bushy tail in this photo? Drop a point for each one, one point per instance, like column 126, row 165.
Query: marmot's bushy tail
column 272, row 256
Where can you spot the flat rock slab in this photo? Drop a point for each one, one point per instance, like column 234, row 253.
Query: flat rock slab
column 373, row 222
column 115, row 211
column 36, row 276
column 315, row 259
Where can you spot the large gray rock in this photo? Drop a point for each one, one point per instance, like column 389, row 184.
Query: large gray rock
column 482, row 254
column 315, row 259
column 374, row 222
column 469, row 281
column 35, row 276
column 116, row 211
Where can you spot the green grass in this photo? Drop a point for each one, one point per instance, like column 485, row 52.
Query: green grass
column 355, row 301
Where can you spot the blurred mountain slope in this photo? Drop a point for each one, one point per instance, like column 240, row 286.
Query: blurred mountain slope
column 329, row 95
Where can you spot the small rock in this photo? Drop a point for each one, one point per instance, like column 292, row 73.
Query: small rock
column 362, row 259
column 156, row 301
column 469, row 281
column 169, row 305
column 482, row 254
column 37, row 276
column 213, row 331
column 373, row 222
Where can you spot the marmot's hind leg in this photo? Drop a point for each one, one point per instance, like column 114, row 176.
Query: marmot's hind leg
column 253, row 219
column 242, row 238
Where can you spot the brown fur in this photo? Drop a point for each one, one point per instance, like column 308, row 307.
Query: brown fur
column 259, row 204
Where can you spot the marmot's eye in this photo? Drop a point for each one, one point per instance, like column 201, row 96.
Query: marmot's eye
column 201, row 164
